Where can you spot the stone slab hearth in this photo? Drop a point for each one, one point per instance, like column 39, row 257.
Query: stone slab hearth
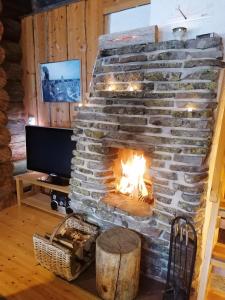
column 161, row 99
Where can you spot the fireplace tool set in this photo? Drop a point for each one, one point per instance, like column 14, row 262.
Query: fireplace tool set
column 182, row 255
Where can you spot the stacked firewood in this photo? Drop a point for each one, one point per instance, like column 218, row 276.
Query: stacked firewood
column 6, row 167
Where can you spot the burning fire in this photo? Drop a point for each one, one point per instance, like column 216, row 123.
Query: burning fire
column 132, row 179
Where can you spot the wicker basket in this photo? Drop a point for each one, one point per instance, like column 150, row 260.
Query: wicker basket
column 60, row 259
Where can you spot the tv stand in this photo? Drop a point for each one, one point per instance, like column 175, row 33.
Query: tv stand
column 34, row 197
column 54, row 179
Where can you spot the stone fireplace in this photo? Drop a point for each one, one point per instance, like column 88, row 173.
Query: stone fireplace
column 152, row 108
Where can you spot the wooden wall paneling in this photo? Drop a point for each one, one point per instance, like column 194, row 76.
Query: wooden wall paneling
column 41, row 56
column 111, row 6
column 77, row 45
column 28, row 65
column 94, row 28
column 57, row 51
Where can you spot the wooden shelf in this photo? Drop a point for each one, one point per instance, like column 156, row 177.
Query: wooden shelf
column 42, row 202
column 34, row 197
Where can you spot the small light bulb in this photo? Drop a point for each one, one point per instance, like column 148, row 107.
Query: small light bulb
column 111, row 87
column 130, row 88
column 31, row 120
column 190, row 109
column 80, row 104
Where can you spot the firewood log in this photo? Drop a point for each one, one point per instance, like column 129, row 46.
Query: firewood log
column 4, row 136
column 15, row 91
column 6, row 168
column 12, row 51
column 3, row 118
column 118, row 253
column 13, row 70
column 3, row 78
column 5, row 156
column 1, row 30
column 2, row 54
column 12, row 29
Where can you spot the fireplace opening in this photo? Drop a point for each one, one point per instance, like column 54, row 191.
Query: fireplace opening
column 133, row 185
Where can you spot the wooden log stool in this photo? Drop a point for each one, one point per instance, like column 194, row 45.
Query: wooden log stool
column 118, row 253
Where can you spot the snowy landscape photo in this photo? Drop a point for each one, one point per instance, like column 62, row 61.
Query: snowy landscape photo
column 61, row 81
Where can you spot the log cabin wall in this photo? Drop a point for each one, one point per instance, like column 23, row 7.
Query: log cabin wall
column 10, row 16
column 67, row 32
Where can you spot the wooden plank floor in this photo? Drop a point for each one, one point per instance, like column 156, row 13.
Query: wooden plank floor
column 21, row 278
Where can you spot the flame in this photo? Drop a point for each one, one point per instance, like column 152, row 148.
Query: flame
column 132, row 179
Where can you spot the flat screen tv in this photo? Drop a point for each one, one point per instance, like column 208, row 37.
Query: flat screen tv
column 61, row 81
column 49, row 150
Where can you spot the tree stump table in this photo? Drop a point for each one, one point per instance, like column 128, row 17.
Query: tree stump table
column 118, row 253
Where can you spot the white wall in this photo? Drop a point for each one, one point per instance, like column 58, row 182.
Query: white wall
column 203, row 16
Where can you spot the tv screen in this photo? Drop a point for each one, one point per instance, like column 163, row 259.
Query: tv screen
column 61, row 81
column 49, row 150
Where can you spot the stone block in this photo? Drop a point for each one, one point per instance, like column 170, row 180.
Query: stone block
column 83, row 170
column 200, row 114
column 81, row 191
column 204, row 63
column 163, row 199
column 158, row 111
column 169, row 149
column 177, row 122
column 103, row 173
column 133, row 58
column 192, row 133
column 100, row 149
column 195, row 178
column 167, row 174
column 189, row 159
column 161, row 95
column 188, row 207
column 185, row 168
column 163, row 190
column 131, row 128
column 211, row 86
column 158, row 103
column 195, row 150
column 195, row 189
column 196, row 95
column 168, row 55
column 96, row 134
column 132, row 120
column 162, row 76
column 99, row 165
column 124, row 110
column 204, row 74
column 157, row 163
column 204, row 43
column 161, row 156
column 191, row 197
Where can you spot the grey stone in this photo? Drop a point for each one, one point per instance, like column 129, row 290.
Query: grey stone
column 211, row 86
column 203, row 43
column 162, row 76
column 204, row 63
column 195, row 189
column 163, row 190
column 131, row 128
column 192, row 133
column 162, row 199
column 191, row 197
column 121, row 110
column 178, row 122
column 133, row 120
column 185, row 168
column 158, row 103
column 133, row 58
column 189, row 159
column 194, row 178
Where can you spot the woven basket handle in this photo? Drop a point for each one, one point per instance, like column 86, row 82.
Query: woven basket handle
column 56, row 230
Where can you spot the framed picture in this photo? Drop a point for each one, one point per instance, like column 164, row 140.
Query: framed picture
column 61, row 81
